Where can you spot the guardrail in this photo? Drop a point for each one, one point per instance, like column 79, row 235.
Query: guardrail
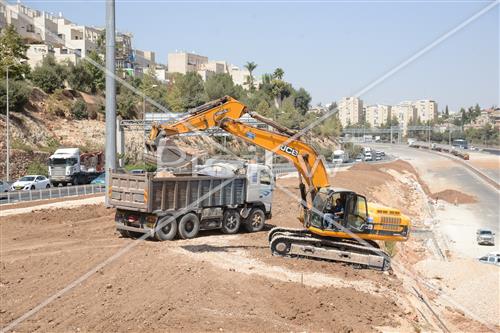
column 50, row 193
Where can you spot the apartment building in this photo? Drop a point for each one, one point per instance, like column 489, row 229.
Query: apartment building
column 350, row 111
column 183, row 62
column 144, row 59
column 377, row 115
column 426, row 110
column 405, row 112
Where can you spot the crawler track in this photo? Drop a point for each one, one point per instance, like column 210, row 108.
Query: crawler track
column 289, row 242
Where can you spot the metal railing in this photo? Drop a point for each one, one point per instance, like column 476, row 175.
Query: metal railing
column 50, row 193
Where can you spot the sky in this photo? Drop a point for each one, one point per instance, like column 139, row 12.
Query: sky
column 331, row 48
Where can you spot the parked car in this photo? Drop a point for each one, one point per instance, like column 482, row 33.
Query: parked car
column 491, row 258
column 4, row 186
column 31, row 182
column 359, row 158
column 137, row 171
column 100, row 180
column 368, row 157
column 485, row 237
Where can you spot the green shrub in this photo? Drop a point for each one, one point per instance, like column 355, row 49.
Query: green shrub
column 49, row 76
column 19, row 92
column 79, row 110
column 37, row 168
column 21, row 145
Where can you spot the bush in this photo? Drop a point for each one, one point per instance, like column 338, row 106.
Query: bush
column 49, row 76
column 37, row 168
column 79, row 110
column 19, row 92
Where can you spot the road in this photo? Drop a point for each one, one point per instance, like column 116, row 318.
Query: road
column 458, row 222
column 52, row 193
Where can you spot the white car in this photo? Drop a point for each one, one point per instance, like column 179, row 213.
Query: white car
column 4, row 186
column 491, row 258
column 31, row 182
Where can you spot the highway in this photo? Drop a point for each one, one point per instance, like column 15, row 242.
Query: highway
column 52, row 193
column 459, row 223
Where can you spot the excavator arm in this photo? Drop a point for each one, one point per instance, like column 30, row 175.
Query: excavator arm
column 224, row 113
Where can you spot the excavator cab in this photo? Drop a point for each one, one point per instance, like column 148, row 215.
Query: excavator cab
column 336, row 210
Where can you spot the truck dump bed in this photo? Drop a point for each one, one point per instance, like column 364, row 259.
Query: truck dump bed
column 145, row 193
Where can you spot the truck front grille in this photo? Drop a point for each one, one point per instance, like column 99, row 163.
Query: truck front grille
column 58, row 171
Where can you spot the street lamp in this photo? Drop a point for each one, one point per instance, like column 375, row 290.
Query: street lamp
column 7, row 121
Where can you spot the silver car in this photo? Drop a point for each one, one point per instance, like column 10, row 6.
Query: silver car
column 491, row 258
column 485, row 237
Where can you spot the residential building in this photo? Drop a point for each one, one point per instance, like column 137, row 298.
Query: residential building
column 405, row 112
column 427, row 110
column 377, row 115
column 37, row 52
column 80, row 38
column 183, row 62
column 144, row 59
column 240, row 76
column 487, row 116
column 350, row 111
column 161, row 73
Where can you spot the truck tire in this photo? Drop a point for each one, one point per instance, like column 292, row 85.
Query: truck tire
column 231, row 222
column 55, row 184
column 255, row 221
column 189, row 225
column 167, row 231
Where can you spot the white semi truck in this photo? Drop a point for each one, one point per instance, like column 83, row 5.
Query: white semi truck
column 68, row 165
column 340, row 156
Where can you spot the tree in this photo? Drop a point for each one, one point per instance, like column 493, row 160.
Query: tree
column 250, row 66
column 79, row 78
column 302, row 100
column 278, row 73
column 19, row 92
column 220, row 85
column 446, row 112
column 79, row 110
column 186, row 92
column 126, row 104
column 153, row 89
column 98, row 81
column 49, row 76
column 280, row 90
column 12, row 53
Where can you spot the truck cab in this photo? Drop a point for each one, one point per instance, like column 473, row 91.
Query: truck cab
column 63, row 164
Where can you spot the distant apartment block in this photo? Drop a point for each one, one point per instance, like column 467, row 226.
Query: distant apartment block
column 377, row 115
column 350, row 111
column 405, row 112
column 487, row 117
column 427, row 110
column 144, row 59
column 184, row 62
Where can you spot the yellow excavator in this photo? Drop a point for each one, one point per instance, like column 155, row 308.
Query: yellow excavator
column 339, row 224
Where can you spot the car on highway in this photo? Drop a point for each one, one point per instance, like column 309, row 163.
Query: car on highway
column 368, row 156
column 359, row 158
column 31, row 182
column 485, row 237
column 492, row 258
column 100, row 180
column 4, row 186
column 137, row 171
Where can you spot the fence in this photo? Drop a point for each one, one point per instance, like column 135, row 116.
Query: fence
column 50, row 193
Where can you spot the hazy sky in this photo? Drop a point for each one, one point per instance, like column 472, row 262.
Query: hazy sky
column 331, row 48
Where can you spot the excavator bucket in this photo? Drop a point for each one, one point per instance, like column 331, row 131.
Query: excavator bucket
column 165, row 153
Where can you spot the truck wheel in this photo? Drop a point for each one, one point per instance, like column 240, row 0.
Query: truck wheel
column 189, row 225
column 255, row 220
column 124, row 233
column 166, row 231
column 55, row 184
column 231, row 222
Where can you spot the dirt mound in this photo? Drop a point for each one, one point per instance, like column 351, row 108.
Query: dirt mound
column 454, row 197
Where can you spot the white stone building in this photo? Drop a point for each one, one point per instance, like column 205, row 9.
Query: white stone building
column 377, row 115
column 350, row 111
column 427, row 110
column 405, row 112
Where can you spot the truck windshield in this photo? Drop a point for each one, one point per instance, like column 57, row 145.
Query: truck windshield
column 485, row 232
column 62, row 161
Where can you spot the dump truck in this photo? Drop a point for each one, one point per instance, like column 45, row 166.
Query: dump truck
column 183, row 204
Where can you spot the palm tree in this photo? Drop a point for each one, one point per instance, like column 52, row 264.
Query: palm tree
column 250, row 66
column 279, row 73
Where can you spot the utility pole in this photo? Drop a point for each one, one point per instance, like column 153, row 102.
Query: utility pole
column 7, row 122
column 110, row 93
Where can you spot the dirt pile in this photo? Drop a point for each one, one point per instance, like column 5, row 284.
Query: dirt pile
column 454, row 197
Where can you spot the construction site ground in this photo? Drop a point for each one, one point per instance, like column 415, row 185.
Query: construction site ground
column 215, row 282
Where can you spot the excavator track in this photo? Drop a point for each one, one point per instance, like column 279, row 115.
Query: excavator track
column 287, row 242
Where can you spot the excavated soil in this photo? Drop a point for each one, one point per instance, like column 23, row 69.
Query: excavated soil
column 212, row 283
column 454, row 197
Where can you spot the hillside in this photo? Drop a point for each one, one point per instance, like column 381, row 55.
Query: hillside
column 48, row 122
